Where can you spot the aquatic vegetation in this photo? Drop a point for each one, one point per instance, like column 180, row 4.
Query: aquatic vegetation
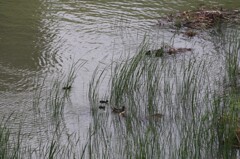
column 168, row 107
column 199, row 121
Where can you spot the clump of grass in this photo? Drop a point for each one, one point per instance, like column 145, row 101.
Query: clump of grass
column 232, row 57
column 50, row 102
column 178, row 24
column 123, row 75
column 4, row 142
column 56, row 100
column 48, row 109
column 96, row 81
column 10, row 142
column 228, row 46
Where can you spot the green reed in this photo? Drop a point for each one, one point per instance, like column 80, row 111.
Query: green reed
column 232, row 56
column 181, row 88
column 4, row 141
column 199, row 120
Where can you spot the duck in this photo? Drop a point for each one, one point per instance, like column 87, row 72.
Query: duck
column 119, row 110
column 103, row 101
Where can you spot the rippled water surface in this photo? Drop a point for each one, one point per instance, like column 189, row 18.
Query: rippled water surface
column 41, row 39
column 43, row 36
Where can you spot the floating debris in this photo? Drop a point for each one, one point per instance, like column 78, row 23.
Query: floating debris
column 123, row 114
column 200, row 19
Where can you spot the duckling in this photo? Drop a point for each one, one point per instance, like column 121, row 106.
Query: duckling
column 118, row 110
column 67, row 87
column 103, row 101
column 148, row 52
column 101, row 107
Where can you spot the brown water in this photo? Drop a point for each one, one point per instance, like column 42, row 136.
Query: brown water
column 41, row 39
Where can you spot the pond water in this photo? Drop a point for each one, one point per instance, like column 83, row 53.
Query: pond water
column 41, row 39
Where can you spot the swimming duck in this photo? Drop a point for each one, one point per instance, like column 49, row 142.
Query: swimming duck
column 103, row 101
column 119, row 110
column 101, row 107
